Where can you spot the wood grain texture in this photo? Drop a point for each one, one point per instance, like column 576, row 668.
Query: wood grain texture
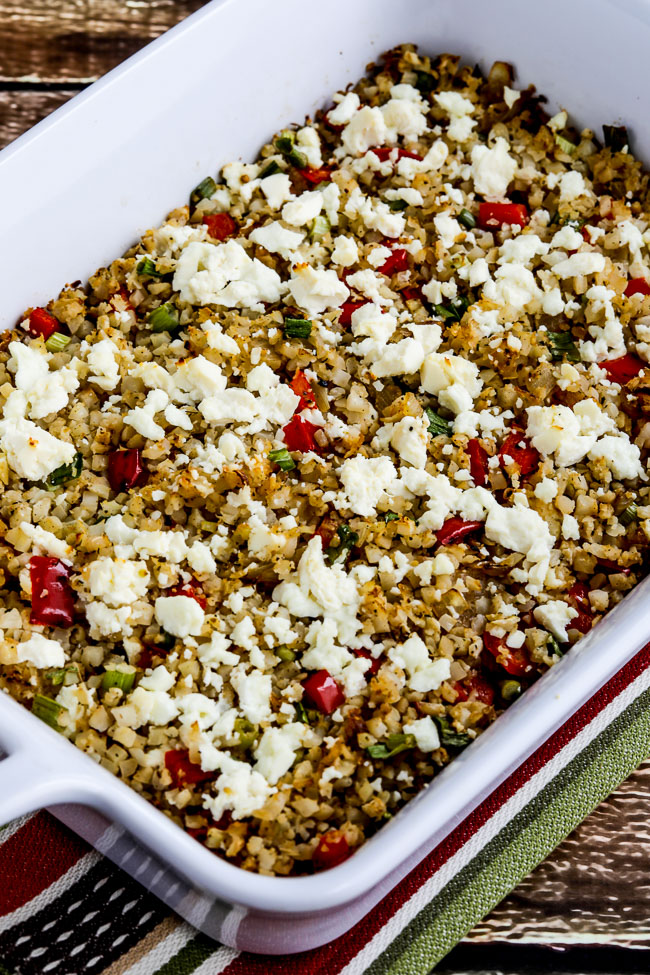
column 19, row 110
column 79, row 40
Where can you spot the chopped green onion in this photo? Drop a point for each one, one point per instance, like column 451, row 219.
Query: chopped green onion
column 284, row 653
column 577, row 223
column 282, row 458
column 297, row 328
column 64, row 675
column 66, row 472
column 453, row 310
column 553, row 646
column 449, row 737
column 393, row 745
column 203, row 191
column 347, row 541
column 467, row 219
column 390, row 516
column 147, row 267
column 616, row 137
column 246, row 732
column 123, row 679
column 56, row 342
column 563, row 348
column 166, row 641
column 319, row 227
column 270, row 169
column 164, row 318
column 510, row 690
column 285, row 143
column 301, row 712
column 47, row 710
column 437, row 425
column 424, row 82
column 630, row 514
column 564, row 144
column 397, row 205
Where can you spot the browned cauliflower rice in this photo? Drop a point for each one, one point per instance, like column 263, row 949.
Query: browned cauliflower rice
column 308, row 486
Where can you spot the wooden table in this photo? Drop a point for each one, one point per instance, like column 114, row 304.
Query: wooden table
column 587, row 908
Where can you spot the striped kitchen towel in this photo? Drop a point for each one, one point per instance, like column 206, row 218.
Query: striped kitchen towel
column 66, row 910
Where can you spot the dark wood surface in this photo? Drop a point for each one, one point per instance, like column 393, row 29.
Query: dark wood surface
column 587, row 908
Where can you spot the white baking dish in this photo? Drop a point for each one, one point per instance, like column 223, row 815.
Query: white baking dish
column 76, row 190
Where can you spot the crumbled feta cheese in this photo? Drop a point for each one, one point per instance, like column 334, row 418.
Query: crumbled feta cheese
column 441, row 565
column 423, row 673
column 375, row 214
column 447, row 228
column 254, row 690
column 622, row 457
column 365, row 481
column 103, row 360
column 492, row 169
column 46, row 542
column 315, row 290
column 276, row 239
column 587, row 263
column 179, row 615
column 546, row 490
column 141, row 418
column 572, row 186
column 346, row 252
column 43, row 392
column 239, row 787
column 276, row 751
column 277, row 189
column 569, row 434
column 366, row 128
column 409, row 438
column 432, row 162
column 345, row 108
column 454, row 380
column 425, row 733
column 40, row 652
column 556, row 616
column 224, row 274
column 117, row 582
column 303, row 209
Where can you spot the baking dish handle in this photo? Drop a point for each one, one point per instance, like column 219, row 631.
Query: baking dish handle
column 25, row 786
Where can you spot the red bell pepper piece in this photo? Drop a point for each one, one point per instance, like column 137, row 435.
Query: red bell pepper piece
column 623, row 369
column 303, row 388
column 637, row 286
column 411, row 294
column 323, row 691
column 514, row 660
column 491, row 215
column 518, row 449
column 478, row 462
column 220, row 225
column 611, row 566
column 332, row 849
column 316, row 176
column 326, row 531
column 347, row 310
column 455, row 529
column 579, row 599
column 192, row 590
column 480, row 689
column 52, row 595
column 126, row 470
column 42, row 323
column 383, row 153
column 183, row 772
column 375, row 662
column 398, row 261
column 299, row 434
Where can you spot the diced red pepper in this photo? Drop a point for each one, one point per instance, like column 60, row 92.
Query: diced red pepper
column 526, row 457
column 480, row 689
column 316, row 176
column 462, row 694
column 326, row 531
column 52, row 595
column 383, row 153
column 303, row 388
column 455, row 529
column 347, row 310
column 332, row 849
column 611, row 566
column 514, row 660
column 579, row 598
column 220, row 225
column 192, row 590
column 398, row 261
column 183, row 772
column 411, row 294
column 478, row 462
column 299, row 434
column 491, row 215
column 375, row 662
column 637, row 286
column 623, row 369
column 42, row 323
column 126, row 470
column 323, row 691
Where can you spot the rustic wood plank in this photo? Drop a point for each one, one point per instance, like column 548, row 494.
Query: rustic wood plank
column 19, row 110
column 79, row 40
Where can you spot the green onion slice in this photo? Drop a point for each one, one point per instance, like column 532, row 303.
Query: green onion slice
column 66, row 472
column 203, row 191
column 467, row 219
column 397, row 205
column 64, row 675
column 616, row 137
column 56, row 342
column 390, row 516
column 393, row 745
column 164, row 318
column 564, row 144
column 424, row 82
column 449, row 737
column 347, row 540
column 147, row 268
column 246, row 731
column 630, row 514
column 453, row 310
column 301, row 712
column 123, row 679
column 284, row 653
column 270, row 169
column 319, row 227
column 297, row 328
column 286, row 144
column 563, row 347
column 47, row 710
column 282, row 458
column 437, row 425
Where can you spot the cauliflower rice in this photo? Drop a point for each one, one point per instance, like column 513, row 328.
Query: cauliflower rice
column 304, row 490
